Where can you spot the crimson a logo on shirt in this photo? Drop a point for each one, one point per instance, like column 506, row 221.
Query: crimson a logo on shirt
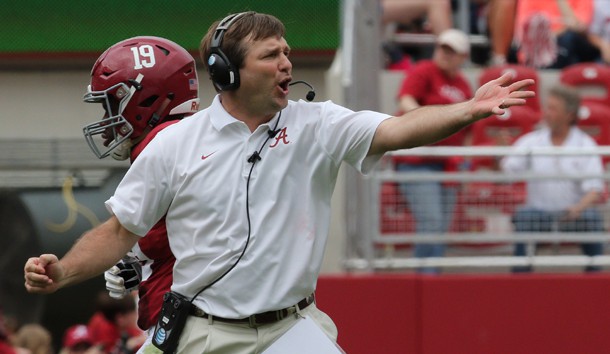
column 280, row 137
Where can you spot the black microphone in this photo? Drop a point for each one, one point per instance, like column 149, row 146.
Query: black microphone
column 311, row 94
column 272, row 133
column 254, row 157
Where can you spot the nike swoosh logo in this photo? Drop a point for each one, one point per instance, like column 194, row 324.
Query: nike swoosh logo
column 203, row 157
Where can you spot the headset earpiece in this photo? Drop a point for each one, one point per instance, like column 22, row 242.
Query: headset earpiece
column 223, row 73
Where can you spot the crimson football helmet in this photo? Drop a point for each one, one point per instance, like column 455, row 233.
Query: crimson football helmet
column 140, row 82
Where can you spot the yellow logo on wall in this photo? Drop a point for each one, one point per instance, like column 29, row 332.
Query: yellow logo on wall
column 74, row 208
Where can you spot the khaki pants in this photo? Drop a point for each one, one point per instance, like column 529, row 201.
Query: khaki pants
column 206, row 336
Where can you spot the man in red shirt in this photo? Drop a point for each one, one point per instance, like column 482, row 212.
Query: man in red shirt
column 433, row 82
column 113, row 326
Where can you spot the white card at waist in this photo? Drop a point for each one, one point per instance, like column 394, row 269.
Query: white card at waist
column 305, row 337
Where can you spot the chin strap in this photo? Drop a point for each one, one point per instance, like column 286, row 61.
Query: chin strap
column 156, row 117
column 121, row 152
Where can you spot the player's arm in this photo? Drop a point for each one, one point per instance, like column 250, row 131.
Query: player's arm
column 428, row 124
column 96, row 251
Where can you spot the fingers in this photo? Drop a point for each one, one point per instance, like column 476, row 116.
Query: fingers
column 37, row 283
column 115, row 280
column 509, row 102
column 517, row 96
column 37, row 279
column 115, row 283
column 504, row 79
column 47, row 259
column 519, row 85
column 35, row 274
column 114, row 270
column 36, row 265
column 497, row 111
column 117, row 295
column 522, row 94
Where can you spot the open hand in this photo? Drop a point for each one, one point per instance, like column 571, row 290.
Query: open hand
column 497, row 95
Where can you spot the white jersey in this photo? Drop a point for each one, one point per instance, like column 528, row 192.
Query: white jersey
column 556, row 194
column 600, row 24
column 197, row 172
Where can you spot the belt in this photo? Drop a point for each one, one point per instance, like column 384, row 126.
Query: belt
column 260, row 318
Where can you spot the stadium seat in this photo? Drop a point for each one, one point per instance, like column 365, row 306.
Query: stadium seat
column 486, row 207
column 395, row 218
column 516, row 121
column 591, row 79
column 501, row 131
column 395, row 214
column 594, row 119
column 521, row 72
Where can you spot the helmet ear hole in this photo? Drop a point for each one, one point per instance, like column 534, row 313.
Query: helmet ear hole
column 149, row 101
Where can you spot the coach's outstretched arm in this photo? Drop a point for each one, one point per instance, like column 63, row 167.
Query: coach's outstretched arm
column 96, row 251
column 428, row 124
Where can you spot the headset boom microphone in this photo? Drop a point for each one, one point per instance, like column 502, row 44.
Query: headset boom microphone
column 311, row 94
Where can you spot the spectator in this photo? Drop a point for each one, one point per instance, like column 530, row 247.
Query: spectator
column 437, row 12
column 433, row 82
column 496, row 20
column 395, row 58
column 35, row 338
column 501, row 22
column 553, row 34
column 599, row 32
column 6, row 346
column 78, row 340
column 564, row 204
column 418, row 16
column 113, row 325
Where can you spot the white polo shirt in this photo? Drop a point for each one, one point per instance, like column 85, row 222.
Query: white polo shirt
column 196, row 171
column 556, row 194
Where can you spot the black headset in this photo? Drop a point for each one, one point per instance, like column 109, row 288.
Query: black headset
column 223, row 73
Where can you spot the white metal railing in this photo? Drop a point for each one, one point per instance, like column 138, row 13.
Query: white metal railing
column 40, row 163
column 430, row 39
column 477, row 262
column 371, row 247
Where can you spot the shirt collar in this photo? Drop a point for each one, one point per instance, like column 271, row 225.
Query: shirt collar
column 220, row 118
